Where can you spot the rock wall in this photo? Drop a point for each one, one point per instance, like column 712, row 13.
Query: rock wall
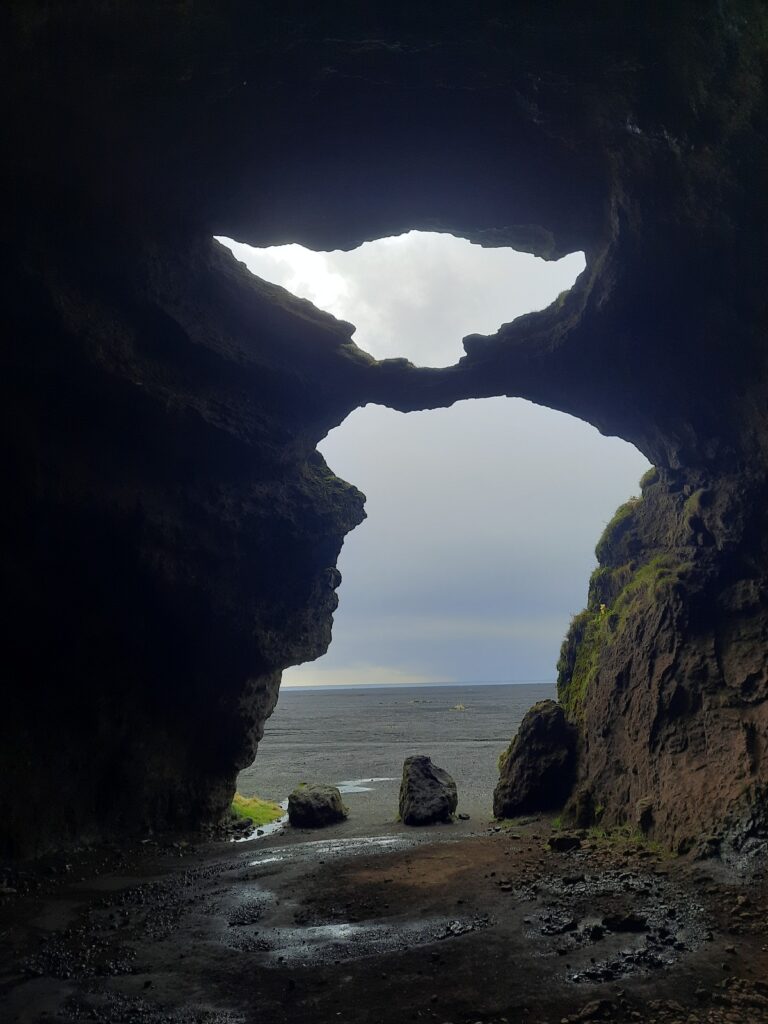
column 169, row 532
column 666, row 670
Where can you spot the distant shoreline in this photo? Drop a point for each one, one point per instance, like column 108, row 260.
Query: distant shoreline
column 406, row 686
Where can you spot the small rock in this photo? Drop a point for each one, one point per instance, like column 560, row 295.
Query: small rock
column 600, row 1008
column 630, row 922
column 315, row 806
column 564, row 843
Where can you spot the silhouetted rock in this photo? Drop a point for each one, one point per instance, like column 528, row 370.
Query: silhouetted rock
column 427, row 793
column 315, row 806
column 538, row 768
column 169, row 532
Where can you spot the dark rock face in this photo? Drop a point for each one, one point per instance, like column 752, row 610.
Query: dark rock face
column 169, row 533
column 174, row 535
column 665, row 671
column 537, row 770
column 427, row 793
column 315, row 806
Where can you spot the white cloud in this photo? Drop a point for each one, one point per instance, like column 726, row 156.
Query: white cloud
column 359, row 674
column 417, row 294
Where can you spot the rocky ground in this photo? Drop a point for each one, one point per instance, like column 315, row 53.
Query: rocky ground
column 507, row 924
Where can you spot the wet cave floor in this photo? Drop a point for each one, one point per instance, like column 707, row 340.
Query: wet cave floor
column 449, row 924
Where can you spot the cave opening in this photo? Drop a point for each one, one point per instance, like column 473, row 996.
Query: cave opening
column 415, row 295
column 482, row 520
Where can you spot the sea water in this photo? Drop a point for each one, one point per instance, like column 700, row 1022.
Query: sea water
column 358, row 737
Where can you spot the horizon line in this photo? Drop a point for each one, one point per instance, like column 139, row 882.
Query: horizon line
column 472, row 682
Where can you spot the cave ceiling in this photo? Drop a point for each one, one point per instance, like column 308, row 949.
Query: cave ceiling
column 171, row 537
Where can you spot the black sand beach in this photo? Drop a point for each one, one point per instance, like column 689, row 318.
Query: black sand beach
column 345, row 735
column 503, row 924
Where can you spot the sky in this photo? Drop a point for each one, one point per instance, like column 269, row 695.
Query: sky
column 482, row 518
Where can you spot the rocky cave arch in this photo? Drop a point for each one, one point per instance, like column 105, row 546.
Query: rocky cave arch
column 169, row 532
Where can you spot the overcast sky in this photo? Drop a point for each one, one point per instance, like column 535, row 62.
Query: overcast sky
column 482, row 518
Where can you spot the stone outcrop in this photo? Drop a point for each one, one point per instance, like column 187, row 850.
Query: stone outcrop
column 666, row 670
column 315, row 806
column 169, row 533
column 537, row 771
column 427, row 793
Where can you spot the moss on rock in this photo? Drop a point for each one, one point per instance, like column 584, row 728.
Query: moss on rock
column 649, row 478
column 629, row 579
column 607, row 547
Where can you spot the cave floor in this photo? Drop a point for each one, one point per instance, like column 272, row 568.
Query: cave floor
column 437, row 925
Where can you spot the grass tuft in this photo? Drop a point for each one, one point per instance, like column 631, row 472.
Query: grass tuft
column 260, row 812
column 623, row 836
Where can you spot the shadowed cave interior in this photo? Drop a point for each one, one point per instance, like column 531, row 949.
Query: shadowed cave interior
column 170, row 533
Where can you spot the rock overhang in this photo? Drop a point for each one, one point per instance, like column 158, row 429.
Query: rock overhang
column 186, row 470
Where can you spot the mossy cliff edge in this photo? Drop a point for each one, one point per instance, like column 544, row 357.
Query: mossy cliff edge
column 665, row 671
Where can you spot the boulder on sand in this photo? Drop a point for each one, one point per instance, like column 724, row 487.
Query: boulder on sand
column 537, row 771
column 315, row 806
column 427, row 793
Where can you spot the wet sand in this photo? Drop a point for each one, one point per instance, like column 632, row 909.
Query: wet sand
column 495, row 928
column 371, row 922
column 358, row 739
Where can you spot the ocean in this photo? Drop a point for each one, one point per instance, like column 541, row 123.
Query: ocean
column 357, row 738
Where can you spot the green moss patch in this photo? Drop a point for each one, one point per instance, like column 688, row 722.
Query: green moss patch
column 649, row 478
column 260, row 812
column 616, row 595
column 579, row 658
column 605, row 549
column 626, row 838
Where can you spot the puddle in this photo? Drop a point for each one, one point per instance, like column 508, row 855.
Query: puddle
column 361, row 785
column 320, row 849
column 334, row 943
column 266, row 860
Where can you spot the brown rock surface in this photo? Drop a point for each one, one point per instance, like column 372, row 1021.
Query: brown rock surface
column 665, row 672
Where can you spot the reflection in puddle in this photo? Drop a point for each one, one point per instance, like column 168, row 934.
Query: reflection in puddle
column 361, row 785
column 330, row 943
column 322, row 848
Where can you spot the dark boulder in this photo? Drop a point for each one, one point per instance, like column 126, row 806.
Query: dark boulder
column 427, row 793
column 315, row 806
column 537, row 771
